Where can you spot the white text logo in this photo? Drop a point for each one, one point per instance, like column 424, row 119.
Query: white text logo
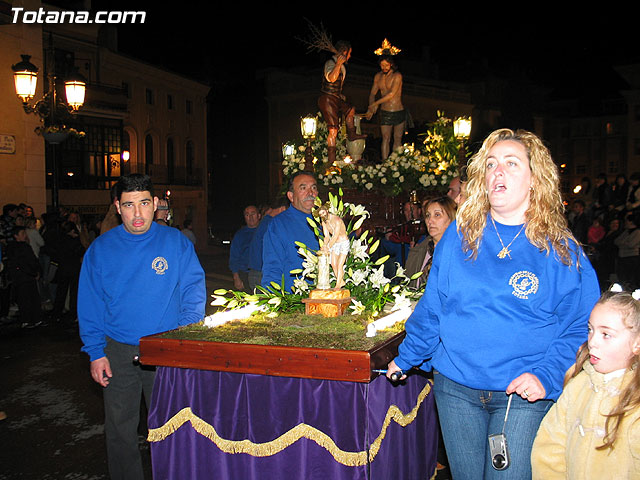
column 53, row 16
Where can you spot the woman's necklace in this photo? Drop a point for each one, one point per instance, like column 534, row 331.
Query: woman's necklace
column 505, row 252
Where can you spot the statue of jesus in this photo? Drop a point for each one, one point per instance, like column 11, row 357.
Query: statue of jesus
column 336, row 243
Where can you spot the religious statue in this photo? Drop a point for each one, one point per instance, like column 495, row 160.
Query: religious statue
column 332, row 103
column 388, row 82
column 336, row 242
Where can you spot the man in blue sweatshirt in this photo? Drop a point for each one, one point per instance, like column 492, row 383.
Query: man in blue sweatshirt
column 239, row 251
column 137, row 279
column 279, row 251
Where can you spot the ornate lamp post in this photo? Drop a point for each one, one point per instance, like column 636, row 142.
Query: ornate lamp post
column 49, row 108
column 308, row 126
column 288, row 149
column 462, row 131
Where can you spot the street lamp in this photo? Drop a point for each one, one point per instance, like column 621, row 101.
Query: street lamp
column 75, row 86
column 25, row 76
column 49, row 108
column 462, row 127
column 308, row 126
column 462, row 131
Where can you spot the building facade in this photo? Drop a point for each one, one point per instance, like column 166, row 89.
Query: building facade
column 136, row 118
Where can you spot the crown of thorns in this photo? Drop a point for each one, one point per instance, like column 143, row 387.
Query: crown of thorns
column 387, row 49
column 326, row 206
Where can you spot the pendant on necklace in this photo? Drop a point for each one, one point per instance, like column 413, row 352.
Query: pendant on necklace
column 504, row 252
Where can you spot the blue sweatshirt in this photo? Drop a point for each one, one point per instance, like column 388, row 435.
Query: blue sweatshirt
column 137, row 285
column 279, row 252
column 484, row 322
column 239, row 251
column 255, row 248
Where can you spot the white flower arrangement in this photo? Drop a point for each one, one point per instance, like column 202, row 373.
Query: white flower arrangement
column 407, row 168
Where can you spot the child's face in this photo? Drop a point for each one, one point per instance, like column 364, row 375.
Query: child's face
column 612, row 345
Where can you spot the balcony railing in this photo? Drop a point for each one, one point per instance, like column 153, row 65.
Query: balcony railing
column 178, row 175
column 160, row 175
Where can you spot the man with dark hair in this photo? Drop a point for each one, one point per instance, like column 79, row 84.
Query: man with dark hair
column 239, row 251
column 8, row 221
column 162, row 212
column 280, row 253
column 24, row 270
column 187, row 230
column 137, row 279
column 633, row 196
column 602, row 195
column 580, row 221
column 388, row 82
column 332, row 102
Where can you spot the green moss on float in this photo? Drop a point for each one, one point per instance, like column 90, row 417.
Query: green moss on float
column 346, row 332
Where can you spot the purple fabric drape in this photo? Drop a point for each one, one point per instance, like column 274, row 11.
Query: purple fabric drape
column 260, row 408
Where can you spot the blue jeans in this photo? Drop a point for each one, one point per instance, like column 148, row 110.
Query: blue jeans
column 467, row 418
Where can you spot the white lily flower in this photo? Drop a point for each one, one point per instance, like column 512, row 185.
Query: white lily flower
column 359, row 250
column 378, row 280
column 357, row 308
column 300, row 286
column 359, row 276
column 400, row 302
column 357, row 210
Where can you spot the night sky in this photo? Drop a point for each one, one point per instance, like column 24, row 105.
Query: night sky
column 552, row 48
column 224, row 44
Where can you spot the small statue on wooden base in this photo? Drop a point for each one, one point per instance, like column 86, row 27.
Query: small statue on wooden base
column 336, row 243
column 324, row 300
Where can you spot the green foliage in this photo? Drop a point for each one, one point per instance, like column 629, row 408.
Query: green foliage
column 370, row 289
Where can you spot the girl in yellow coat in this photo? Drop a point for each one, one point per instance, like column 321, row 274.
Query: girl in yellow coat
column 593, row 431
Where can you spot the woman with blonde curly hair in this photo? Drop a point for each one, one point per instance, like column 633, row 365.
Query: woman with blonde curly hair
column 505, row 307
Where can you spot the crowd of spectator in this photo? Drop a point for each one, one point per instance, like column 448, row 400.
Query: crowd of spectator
column 41, row 259
column 605, row 218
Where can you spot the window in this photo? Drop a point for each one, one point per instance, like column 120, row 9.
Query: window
column 171, row 160
column 149, row 96
column 169, row 101
column 148, row 153
column 93, row 161
column 188, row 107
column 189, row 158
column 609, row 128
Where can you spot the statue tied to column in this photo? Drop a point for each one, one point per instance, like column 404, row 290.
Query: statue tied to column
column 388, row 83
column 336, row 242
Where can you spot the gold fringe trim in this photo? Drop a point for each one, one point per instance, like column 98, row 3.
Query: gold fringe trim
column 302, row 430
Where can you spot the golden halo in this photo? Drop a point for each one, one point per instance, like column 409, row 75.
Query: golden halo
column 387, row 49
